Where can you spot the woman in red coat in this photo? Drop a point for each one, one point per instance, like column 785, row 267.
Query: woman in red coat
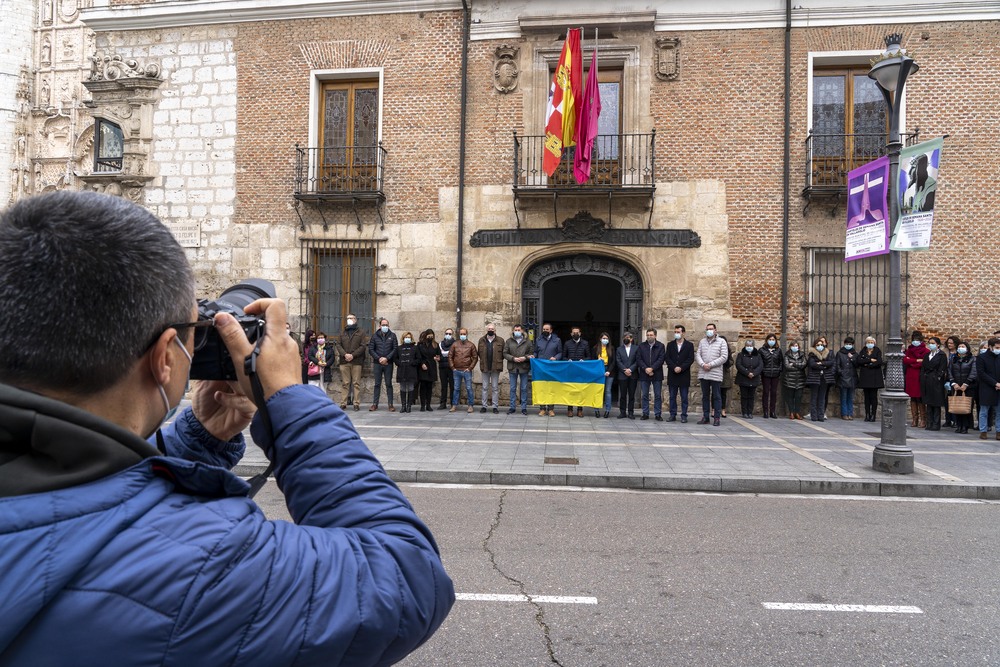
column 913, row 359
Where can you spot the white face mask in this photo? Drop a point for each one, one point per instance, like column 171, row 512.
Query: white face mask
column 677, row 336
column 171, row 411
column 605, row 341
column 709, row 333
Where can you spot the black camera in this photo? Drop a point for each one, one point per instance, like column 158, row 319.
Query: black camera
column 211, row 358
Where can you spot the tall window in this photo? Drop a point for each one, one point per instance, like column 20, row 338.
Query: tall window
column 349, row 136
column 338, row 278
column 109, row 145
column 849, row 123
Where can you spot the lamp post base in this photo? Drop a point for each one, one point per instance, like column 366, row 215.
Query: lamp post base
column 892, row 454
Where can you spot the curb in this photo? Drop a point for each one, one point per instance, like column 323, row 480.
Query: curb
column 708, row 483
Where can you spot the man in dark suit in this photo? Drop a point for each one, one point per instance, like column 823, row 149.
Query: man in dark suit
column 627, row 363
column 652, row 354
column 680, row 356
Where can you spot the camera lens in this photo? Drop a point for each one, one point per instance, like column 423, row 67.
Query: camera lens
column 242, row 294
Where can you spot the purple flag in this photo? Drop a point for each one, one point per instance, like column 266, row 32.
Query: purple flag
column 586, row 123
column 867, row 212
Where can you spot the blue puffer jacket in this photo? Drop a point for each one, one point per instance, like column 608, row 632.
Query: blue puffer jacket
column 165, row 561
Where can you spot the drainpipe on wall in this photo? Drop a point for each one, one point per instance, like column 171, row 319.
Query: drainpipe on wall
column 787, row 171
column 466, row 26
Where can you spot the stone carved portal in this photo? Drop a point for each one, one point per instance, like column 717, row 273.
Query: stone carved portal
column 587, row 267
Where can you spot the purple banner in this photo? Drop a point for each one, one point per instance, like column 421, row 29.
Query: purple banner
column 867, row 210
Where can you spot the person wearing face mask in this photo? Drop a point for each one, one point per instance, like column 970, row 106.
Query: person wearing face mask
column 351, row 346
column 463, row 357
column 988, row 379
column 627, row 364
column 114, row 550
column 444, row 368
column 407, row 362
column 951, row 349
column 846, row 375
column 962, row 377
column 382, row 349
column 548, row 346
column 794, row 379
column 427, row 369
column 933, row 374
column 711, row 356
column 749, row 366
column 575, row 349
column 652, row 354
column 913, row 359
column 490, row 351
column 605, row 352
column 770, row 377
column 679, row 358
column 819, row 368
column 322, row 355
column 517, row 352
column 308, row 339
column 870, row 363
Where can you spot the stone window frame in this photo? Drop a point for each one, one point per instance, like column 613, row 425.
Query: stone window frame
column 317, row 77
column 101, row 165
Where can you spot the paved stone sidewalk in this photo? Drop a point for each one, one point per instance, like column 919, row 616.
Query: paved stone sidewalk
column 758, row 455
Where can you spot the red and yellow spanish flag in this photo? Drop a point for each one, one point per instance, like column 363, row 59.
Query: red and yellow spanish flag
column 560, row 117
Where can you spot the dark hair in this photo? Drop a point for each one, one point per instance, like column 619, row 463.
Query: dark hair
column 771, row 335
column 681, row 327
column 99, row 267
column 653, row 330
column 603, row 334
column 993, row 342
column 711, row 324
column 916, row 335
column 849, row 339
column 955, row 339
column 935, row 339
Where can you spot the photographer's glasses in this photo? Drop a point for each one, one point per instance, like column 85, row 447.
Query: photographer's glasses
column 201, row 329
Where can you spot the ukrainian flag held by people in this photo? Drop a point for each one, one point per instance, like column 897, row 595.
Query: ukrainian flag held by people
column 575, row 383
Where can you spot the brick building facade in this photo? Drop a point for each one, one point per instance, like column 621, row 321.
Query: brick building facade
column 320, row 146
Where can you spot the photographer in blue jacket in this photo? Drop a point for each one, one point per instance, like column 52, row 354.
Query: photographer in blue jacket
column 116, row 551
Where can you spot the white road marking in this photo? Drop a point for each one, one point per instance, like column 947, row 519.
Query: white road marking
column 864, row 608
column 798, row 450
column 551, row 599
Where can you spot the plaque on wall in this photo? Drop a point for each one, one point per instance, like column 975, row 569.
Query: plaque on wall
column 188, row 234
column 583, row 227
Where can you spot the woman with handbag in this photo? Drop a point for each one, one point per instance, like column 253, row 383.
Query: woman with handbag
column 869, row 363
column 933, row 373
column 962, row 376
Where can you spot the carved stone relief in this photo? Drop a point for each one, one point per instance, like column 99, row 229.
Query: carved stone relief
column 505, row 70
column 668, row 59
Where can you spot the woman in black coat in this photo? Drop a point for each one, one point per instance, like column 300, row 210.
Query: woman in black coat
column 406, row 373
column 869, row 363
column 933, row 373
column 819, row 376
column 428, row 356
column 962, row 376
column 749, row 367
column 774, row 361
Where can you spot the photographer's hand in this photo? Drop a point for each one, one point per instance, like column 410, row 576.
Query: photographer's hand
column 221, row 407
column 277, row 365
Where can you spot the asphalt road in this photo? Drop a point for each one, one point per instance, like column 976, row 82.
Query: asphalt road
column 683, row 579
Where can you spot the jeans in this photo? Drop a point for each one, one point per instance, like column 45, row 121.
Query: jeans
column 459, row 376
column 846, row 402
column 817, row 401
column 381, row 372
column 491, row 379
column 672, row 390
column 626, row 396
column 657, row 396
column 517, row 379
column 984, row 412
column 711, row 396
column 608, row 381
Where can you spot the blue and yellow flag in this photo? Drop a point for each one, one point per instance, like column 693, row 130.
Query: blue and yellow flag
column 576, row 383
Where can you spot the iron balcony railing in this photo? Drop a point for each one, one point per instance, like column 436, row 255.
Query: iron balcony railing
column 829, row 157
column 340, row 172
column 618, row 161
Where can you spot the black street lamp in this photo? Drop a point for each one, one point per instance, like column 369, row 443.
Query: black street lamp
column 892, row 454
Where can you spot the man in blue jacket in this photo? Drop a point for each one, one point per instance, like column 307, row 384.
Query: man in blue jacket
column 548, row 346
column 113, row 552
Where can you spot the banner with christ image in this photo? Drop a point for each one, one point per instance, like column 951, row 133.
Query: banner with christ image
column 867, row 210
column 918, row 178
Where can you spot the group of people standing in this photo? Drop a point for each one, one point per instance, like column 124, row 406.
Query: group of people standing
column 933, row 370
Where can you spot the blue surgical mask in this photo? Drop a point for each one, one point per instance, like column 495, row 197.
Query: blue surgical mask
column 385, row 329
column 605, row 341
column 171, row 411
column 997, row 352
column 820, row 348
column 447, row 336
column 932, row 346
column 407, row 340
column 848, row 347
column 463, row 337
column 518, row 335
column 914, row 343
column 963, row 350
column 771, row 343
column 870, row 346
column 709, row 333
column 795, row 348
column 677, row 336
column 748, row 347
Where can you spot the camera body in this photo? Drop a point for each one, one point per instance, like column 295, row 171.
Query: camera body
column 211, row 359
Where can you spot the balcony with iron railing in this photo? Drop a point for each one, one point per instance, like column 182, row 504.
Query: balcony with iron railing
column 622, row 165
column 830, row 157
column 340, row 173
